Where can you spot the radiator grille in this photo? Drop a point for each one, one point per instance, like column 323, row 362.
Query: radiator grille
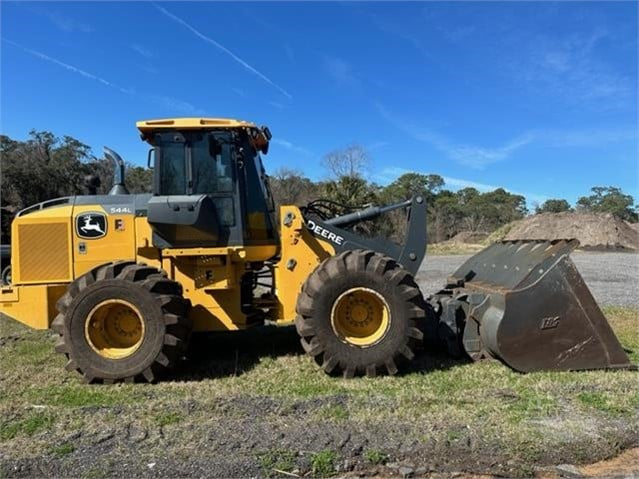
column 44, row 252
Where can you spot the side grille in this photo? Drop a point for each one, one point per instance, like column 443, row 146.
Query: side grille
column 43, row 252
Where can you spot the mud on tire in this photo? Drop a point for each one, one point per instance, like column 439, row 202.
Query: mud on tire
column 379, row 276
column 163, row 322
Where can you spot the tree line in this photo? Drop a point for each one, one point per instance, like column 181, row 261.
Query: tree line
column 45, row 166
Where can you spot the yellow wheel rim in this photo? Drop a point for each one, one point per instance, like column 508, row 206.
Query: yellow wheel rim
column 114, row 329
column 360, row 316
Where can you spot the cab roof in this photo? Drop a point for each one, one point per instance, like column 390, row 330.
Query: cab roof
column 191, row 123
column 148, row 127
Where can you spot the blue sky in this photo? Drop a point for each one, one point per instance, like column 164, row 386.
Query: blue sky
column 540, row 98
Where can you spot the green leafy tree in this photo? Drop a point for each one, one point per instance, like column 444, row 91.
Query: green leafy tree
column 138, row 179
column 504, row 207
column 45, row 166
column 488, row 211
column 609, row 199
column 553, row 206
column 393, row 225
column 352, row 191
column 410, row 184
column 42, row 167
column 445, row 217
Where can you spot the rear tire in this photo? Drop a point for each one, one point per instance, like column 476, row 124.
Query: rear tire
column 360, row 313
column 122, row 322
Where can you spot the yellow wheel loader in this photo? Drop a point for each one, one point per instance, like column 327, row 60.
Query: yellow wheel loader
column 124, row 280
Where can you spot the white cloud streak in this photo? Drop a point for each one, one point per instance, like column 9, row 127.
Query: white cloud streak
column 341, row 71
column 572, row 67
column 240, row 92
column 169, row 103
column 145, row 52
column 174, row 104
column 63, row 22
column 473, row 156
column 291, row 147
column 222, row 48
column 277, row 105
column 479, row 157
column 71, row 68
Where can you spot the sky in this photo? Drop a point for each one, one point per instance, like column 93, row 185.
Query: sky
column 537, row 97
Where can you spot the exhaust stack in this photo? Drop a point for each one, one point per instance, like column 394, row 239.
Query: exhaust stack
column 118, row 188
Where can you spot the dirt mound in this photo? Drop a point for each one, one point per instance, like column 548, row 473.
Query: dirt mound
column 469, row 237
column 594, row 231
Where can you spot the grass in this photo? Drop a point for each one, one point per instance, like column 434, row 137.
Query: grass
column 63, row 449
column 167, row 418
column 80, row 395
column 276, row 460
column 442, row 405
column 375, row 456
column 450, row 248
column 606, row 403
column 499, row 234
column 333, row 412
column 323, row 463
column 25, row 427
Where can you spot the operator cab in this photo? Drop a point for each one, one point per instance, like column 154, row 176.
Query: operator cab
column 209, row 187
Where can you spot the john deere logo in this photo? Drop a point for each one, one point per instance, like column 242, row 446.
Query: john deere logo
column 91, row 225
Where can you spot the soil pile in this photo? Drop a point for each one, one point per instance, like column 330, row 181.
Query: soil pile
column 594, row 231
column 468, row 237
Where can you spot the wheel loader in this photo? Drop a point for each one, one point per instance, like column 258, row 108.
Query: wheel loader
column 124, row 280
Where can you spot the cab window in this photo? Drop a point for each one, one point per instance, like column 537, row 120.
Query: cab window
column 173, row 169
column 211, row 163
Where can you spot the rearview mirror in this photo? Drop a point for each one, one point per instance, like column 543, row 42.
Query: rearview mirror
column 267, row 133
column 215, row 148
column 150, row 160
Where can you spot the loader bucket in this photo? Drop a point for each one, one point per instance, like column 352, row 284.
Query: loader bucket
column 526, row 304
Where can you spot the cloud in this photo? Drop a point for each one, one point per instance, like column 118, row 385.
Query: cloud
column 341, row 71
column 377, row 145
column 569, row 66
column 290, row 53
column 174, row 104
column 145, row 52
column 69, row 67
column 399, row 31
column 65, row 23
column 277, row 105
column 473, row 156
column 588, row 137
column 240, row 92
column 166, row 102
column 291, row 147
column 479, row 157
column 222, row 48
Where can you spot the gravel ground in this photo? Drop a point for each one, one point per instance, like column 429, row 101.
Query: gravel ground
column 613, row 278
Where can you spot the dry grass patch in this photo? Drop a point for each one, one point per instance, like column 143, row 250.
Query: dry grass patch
column 262, row 381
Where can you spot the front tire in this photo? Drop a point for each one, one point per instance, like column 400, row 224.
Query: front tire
column 360, row 313
column 122, row 322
